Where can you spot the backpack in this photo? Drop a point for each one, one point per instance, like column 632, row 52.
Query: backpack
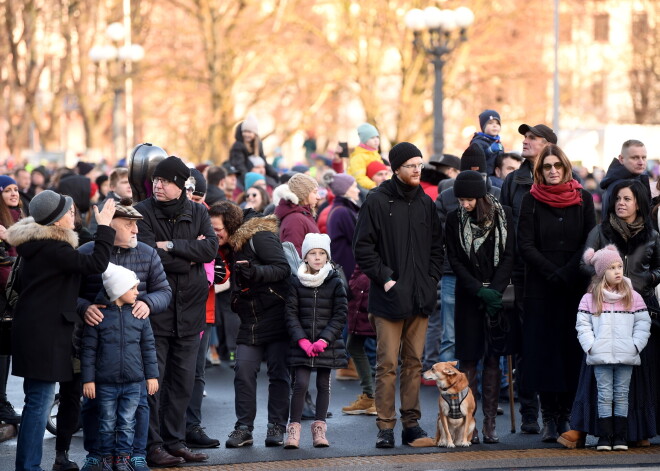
column 290, row 253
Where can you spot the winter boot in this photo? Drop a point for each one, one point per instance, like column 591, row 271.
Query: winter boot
column 470, row 370
column 318, row 434
column 7, row 413
column 63, row 463
column 620, row 435
column 360, row 406
column 292, row 436
column 604, row 428
column 573, row 439
column 549, row 432
column 349, row 373
column 490, row 388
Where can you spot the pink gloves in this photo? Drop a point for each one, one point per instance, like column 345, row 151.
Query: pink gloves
column 307, row 347
column 319, row 346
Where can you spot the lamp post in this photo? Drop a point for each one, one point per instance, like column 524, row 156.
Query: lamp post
column 123, row 57
column 445, row 29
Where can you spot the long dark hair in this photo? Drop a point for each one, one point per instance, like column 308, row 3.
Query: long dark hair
column 641, row 198
column 482, row 210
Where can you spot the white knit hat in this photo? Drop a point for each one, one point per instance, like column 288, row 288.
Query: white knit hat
column 250, row 124
column 316, row 241
column 118, row 280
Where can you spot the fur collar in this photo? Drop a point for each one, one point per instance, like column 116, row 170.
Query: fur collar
column 313, row 281
column 27, row 230
column 250, row 227
column 286, row 194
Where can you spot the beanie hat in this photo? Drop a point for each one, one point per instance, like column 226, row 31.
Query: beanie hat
column 200, row 182
column 251, row 178
column 302, row 185
column 316, row 241
column 257, row 161
column 402, row 152
column 84, row 167
column 469, row 184
column 48, row 207
column 486, row 116
column 602, row 259
column 174, row 170
column 366, row 131
column 300, row 168
column 5, row 181
column 473, row 159
column 117, row 280
column 340, row 183
column 374, row 167
column 250, row 124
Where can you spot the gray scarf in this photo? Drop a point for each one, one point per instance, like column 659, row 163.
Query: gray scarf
column 473, row 235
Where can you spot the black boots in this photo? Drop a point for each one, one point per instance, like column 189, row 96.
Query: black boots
column 63, row 463
column 604, row 427
column 620, row 435
column 490, row 388
column 7, row 413
column 470, row 370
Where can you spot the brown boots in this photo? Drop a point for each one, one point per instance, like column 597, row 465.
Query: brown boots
column 572, row 439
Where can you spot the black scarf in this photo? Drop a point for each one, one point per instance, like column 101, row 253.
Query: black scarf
column 407, row 190
column 172, row 209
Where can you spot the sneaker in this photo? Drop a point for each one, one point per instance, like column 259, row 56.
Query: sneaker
column 410, row 434
column 241, row 436
column 530, row 425
column 108, row 463
column 359, row 406
column 139, row 463
column 122, row 463
column 274, row 435
column 212, row 356
column 371, row 411
column 196, row 437
column 7, row 413
column 385, row 438
column 92, row 464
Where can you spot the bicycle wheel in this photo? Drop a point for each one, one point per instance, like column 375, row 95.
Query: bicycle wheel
column 51, row 423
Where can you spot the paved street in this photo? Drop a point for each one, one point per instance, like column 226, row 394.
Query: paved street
column 352, row 440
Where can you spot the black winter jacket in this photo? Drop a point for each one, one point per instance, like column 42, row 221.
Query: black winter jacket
column 399, row 240
column 260, row 288
column 184, row 265
column 121, row 349
column 317, row 313
column 239, row 157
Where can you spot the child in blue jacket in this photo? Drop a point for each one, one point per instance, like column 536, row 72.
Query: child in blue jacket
column 117, row 356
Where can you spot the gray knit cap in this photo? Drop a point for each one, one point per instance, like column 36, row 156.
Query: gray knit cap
column 48, row 207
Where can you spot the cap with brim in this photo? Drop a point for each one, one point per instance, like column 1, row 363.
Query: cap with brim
column 128, row 212
column 540, row 130
column 48, row 207
column 448, row 160
column 231, row 170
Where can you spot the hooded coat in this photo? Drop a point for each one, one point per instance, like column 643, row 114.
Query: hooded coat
column 239, row 156
column 259, row 291
column 341, row 228
column 296, row 221
column 48, row 284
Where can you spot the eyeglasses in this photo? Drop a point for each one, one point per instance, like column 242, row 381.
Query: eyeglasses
column 556, row 165
column 413, row 166
column 162, row 181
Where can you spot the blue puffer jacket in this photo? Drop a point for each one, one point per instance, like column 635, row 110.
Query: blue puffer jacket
column 121, row 349
column 154, row 289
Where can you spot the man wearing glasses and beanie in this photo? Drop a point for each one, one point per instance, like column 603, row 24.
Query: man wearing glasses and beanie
column 398, row 245
column 181, row 232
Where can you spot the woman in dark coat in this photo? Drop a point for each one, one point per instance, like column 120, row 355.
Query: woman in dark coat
column 259, row 280
column 555, row 219
column 626, row 225
column 48, row 282
column 247, row 144
column 480, row 251
column 342, row 219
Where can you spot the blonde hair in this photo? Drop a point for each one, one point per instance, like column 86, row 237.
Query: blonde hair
column 596, row 289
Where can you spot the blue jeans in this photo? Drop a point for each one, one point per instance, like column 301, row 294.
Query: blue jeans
column 433, row 336
column 39, row 397
column 117, row 406
column 447, row 305
column 90, row 420
column 613, row 384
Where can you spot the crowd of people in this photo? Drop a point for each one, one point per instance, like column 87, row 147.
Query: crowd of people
column 128, row 284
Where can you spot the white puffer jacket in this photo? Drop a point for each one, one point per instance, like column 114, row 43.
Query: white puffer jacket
column 617, row 335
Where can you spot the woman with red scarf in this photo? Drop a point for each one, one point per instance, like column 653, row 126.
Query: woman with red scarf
column 555, row 220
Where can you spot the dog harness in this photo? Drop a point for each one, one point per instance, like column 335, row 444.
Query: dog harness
column 454, row 401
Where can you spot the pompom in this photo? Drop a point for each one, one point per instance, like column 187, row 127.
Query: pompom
column 588, row 255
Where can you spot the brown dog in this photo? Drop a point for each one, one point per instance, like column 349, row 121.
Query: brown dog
column 456, row 407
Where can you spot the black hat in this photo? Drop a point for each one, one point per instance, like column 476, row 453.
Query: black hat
column 540, row 130
column 486, row 116
column 174, row 170
column 84, row 167
column 469, row 184
column 473, row 159
column 231, row 170
column 200, row 182
column 402, row 152
column 448, row 160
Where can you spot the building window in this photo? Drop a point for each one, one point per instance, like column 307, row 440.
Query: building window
column 598, row 91
column 640, row 26
column 602, row 27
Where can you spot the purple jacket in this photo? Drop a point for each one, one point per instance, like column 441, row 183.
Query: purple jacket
column 358, row 306
column 341, row 226
column 295, row 222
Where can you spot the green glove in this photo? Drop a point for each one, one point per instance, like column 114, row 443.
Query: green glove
column 492, row 300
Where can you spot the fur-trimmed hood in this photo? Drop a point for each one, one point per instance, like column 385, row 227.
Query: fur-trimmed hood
column 26, row 230
column 285, row 193
column 250, row 227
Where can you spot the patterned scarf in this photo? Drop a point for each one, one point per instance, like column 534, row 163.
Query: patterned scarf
column 473, row 235
column 627, row 231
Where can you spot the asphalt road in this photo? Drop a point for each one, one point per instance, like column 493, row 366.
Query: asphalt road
column 353, row 438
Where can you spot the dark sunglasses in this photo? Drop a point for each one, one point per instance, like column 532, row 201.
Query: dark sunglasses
column 556, row 165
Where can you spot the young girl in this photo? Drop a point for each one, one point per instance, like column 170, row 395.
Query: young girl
column 613, row 326
column 315, row 316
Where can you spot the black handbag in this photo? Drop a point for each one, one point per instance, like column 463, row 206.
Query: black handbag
column 9, row 299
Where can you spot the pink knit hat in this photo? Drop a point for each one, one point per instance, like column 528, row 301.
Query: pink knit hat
column 602, row 259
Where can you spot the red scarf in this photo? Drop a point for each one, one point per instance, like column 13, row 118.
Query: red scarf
column 558, row 196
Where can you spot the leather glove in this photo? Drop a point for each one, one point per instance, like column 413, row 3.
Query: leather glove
column 245, row 270
column 492, row 300
column 319, row 346
column 307, row 347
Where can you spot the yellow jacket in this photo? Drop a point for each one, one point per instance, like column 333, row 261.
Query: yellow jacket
column 357, row 166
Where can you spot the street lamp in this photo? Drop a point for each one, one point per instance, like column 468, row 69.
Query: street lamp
column 446, row 30
column 123, row 56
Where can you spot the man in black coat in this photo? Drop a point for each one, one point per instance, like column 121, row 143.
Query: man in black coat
column 181, row 232
column 398, row 245
column 515, row 187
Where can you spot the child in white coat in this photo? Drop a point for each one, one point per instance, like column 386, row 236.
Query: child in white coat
column 613, row 326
